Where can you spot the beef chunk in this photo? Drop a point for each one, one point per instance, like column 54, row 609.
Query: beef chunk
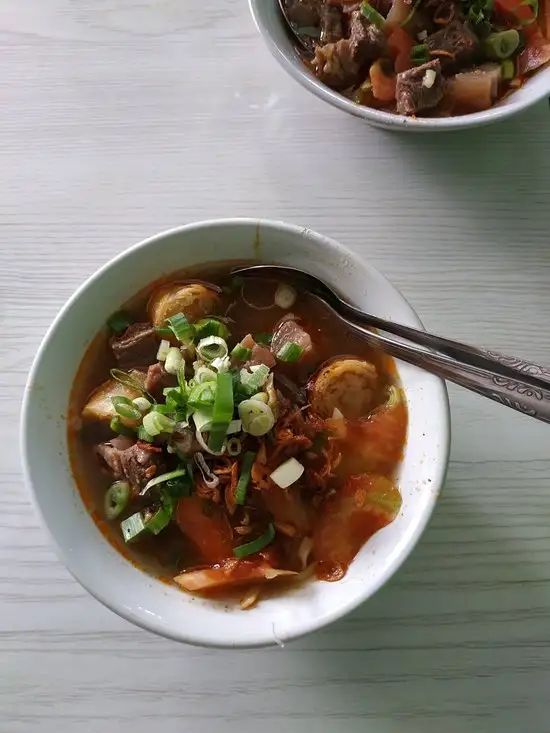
column 304, row 13
column 419, row 88
column 136, row 346
column 367, row 41
column 335, row 65
column 158, row 378
column 135, row 462
column 456, row 39
column 332, row 29
column 141, row 463
column 111, row 453
column 288, row 331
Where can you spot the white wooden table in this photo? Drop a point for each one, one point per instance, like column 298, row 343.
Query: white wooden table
column 121, row 118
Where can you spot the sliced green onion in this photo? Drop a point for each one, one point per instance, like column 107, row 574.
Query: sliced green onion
column 162, row 479
column 128, row 381
column 181, row 328
column 117, row 498
column 132, row 527
column 290, row 352
column 285, row 296
column 254, row 378
column 204, row 374
column 420, row 54
column 117, row 426
column 142, row 404
column 251, row 548
column 203, row 420
column 162, row 409
column 287, row 474
column 119, row 322
column 157, row 521
column 210, row 327
column 223, row 411
column 534, row 5
column 257, row 418
column 125, row 408
column 241, row 353
column 164, row 348
column 235, row 426
column 244, row 478
column 174, row 360
column 264, row 339
column 234, row 447
column 221, row 364
column 155, row 423
column 174, row 399
column 203, row 395
column 372, row 15
column 212, row 347
column 144, row 435
column 508, row 69
column 501, row 45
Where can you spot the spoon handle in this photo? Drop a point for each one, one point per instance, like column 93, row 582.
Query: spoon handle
column 510, row 367
column 516, row 392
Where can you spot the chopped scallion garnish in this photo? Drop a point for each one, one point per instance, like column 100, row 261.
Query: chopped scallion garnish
column 117, row 426
column 181, row 328
column 287, row 473
column 155, row 423
column 174, row 360
column 119, row 322
column 241, row 353
column 117, row 498
column 244, row 478
column 212, row 347
column 290, row 352
column 420, row 54
column 144, row 435
column 203, row 395
column 502, row 45
column 223, row 411
column 251, row 548
column 372, row 15
column 162, row 479
column 254, row 378
column 126, row 408
column 210, row 327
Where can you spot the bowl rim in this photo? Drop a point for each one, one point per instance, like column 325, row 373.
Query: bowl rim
column 98, row 591
column 389, row 120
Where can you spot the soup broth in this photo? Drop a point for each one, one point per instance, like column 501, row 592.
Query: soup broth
column 233, row 433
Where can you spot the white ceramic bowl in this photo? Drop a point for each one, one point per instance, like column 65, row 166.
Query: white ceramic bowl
column 271, row 25
column 113, row 580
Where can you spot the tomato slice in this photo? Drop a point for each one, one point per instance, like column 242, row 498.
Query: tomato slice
column 206, row 527
column 363, row 505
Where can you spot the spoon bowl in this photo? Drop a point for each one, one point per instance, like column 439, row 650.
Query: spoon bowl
column 512, row 382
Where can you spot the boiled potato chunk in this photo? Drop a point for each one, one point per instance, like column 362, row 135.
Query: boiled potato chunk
column 100, row 406
column 193, row 300
column 347, row 385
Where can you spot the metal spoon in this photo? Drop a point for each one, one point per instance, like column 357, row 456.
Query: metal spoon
column 306, row 41
column 512, row 382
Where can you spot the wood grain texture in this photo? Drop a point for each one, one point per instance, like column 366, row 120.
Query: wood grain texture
column 125, row 117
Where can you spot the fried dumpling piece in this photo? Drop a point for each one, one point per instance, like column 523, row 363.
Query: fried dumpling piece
column 194, row 300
